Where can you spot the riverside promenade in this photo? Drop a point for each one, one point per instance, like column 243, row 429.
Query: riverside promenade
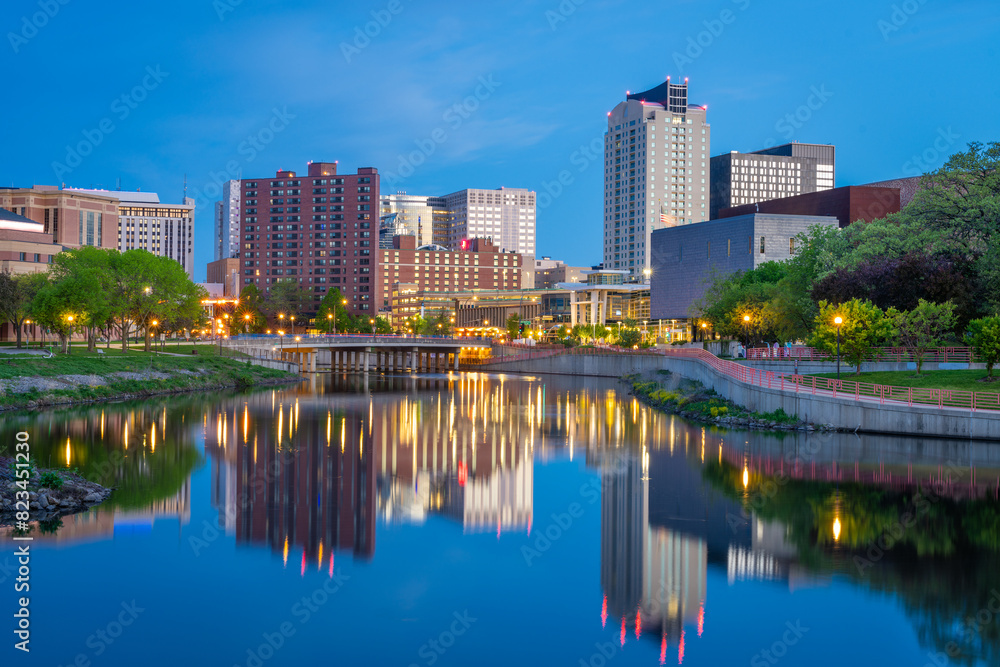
column 844, row 404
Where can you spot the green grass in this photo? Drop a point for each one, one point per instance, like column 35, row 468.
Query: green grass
column 952, row 379
column 214, row 372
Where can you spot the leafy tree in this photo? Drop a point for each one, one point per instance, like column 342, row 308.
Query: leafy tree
column 16, row 295
column 332, row 314
column 901, row 282
column 583, row 332
column 984, row 334
column 865, row 326
column 513, row 325
column 601, row 332
column 629, row 335
column 287, row 298
column 924, row 327
column 439, row 325
column 383, row 326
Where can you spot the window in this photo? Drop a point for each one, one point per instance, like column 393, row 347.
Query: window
column 791, row 246
column 762, row 245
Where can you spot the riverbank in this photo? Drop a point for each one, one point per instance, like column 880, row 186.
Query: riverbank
column 31, row 382
column 51, row 493
column 693, row 401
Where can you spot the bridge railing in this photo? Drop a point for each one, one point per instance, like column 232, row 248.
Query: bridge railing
column 288, row 340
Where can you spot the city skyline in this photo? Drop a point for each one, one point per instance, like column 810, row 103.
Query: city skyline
column 477, row 113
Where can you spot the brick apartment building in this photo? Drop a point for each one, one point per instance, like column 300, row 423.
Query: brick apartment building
column 478, row 265
column 320, row 229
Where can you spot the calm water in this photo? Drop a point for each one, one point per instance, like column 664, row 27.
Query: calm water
column 488, row 520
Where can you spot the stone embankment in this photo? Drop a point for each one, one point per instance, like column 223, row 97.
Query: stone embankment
column 74, row 494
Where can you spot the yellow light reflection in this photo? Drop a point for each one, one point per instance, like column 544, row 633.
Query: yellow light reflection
column 67, row 452
column 836, row 529
column 746, row 476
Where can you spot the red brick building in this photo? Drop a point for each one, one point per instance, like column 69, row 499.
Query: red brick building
column 72, row 219
column 847, row 204
column 320, row 229
column 478, row 265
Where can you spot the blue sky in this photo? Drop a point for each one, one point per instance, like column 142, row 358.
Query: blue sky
column 157, row 91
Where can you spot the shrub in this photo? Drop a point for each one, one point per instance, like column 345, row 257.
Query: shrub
column 50, row 480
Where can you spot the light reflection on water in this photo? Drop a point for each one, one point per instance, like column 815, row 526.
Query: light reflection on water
column 328, row 469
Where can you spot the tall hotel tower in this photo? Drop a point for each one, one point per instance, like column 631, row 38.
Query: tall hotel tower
column 656, row 172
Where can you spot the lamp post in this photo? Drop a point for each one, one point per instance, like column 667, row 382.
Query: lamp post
column 746, row 325
column 246, row 320
column 372, row 321
column 703, row 327
column 69, row 338
column 292, row 319
column 281, row 340
column 153, row 324
column 838, row 320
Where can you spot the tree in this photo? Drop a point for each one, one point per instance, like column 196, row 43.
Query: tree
column 583, row 332
column 984, row 334
column 513, row 325
column 629, row 335
column 332, row 315
column 865, row 326
column 924, row 327
column 439, row 326
column 16, row 295
column 287, row 298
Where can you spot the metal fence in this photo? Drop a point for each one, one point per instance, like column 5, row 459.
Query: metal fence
column 961, row 355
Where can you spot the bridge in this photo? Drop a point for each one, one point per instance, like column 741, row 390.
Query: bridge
column 351, row 352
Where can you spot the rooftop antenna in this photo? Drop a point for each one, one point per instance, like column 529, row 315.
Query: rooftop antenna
column 185, row 188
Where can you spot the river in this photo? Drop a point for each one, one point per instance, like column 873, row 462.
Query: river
column 496, row 520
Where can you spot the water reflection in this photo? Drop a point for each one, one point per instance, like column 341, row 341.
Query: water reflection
column 317, row 471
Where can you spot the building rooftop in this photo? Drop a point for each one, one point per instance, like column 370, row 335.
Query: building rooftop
column 12, row 221
column 121, row 195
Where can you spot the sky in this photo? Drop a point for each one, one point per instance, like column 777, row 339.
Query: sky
column 442, row 96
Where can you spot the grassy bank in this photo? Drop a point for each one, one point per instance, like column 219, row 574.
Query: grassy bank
column 34, row 381
column 694, row 401
column 955, row 380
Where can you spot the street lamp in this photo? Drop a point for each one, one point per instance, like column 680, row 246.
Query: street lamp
column 838, row 320
column 292, row 318
column 329, row 320
column 703, row 327
column 281, row 340
column 746, row 325
column 246, row 318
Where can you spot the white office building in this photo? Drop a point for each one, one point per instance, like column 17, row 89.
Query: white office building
column 166, row 230
column 227, row 222
column 656, row 172
column 506, row 215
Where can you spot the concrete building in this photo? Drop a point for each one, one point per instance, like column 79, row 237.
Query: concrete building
column 432, row 268
column 847, row 204
column 225, row 272
column 320, row 229
column 686, row 258
column 424, row 217
column 166, row 230
column 73, row 218
column 548, row 273
column 227, row 222
column 505, row 215
column 908, row 188
column 782, row 171
column 656, row 173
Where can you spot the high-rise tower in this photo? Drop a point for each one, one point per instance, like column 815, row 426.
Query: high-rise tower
column 656, row 173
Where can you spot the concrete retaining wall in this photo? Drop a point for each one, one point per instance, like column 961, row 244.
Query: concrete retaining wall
column 843, row 413
column 288, row 366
